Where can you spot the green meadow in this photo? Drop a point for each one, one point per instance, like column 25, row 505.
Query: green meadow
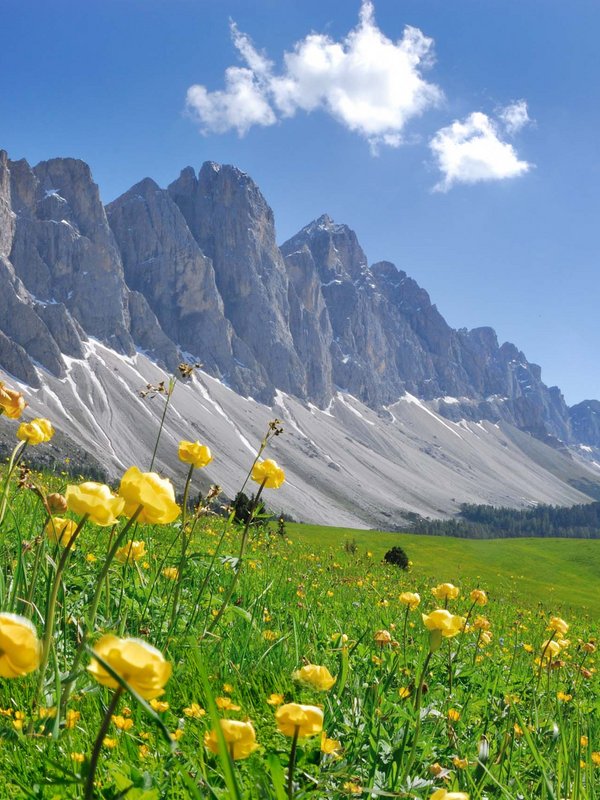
column 152, row 650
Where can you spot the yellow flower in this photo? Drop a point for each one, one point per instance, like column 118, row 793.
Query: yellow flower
column 90, row 558
column 404, row 692
column 596, row 758
column 109, row 742
column 194, row 453
column 159, row 705
column 269, row 473
column 96, row 500
column 20, row 648
column 329, row 746
column 565, row 698
column 550, row 649
column 352, row 787
column 292, row 717
column 558, row 625
column 275, row 699
column 122, row 723
column 316, row 676
column 60, row 530
column 460, row 763
column 445, row 591
column 240, row 738
column 226, row 703
column 442, row 794
column 72, row 718
column 132, row 551
column 172, row 573
column 141, row 665
column 453, row 715
column 444, row 622
column 12, row 403
column 155, row 494
column 583, row 741
column 410, row 599
column 481, row 623
column 78, row 758
column 479, row 597
column 194, row 711
column 35, row 432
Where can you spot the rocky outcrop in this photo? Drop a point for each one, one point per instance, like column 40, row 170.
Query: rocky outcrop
column 585, row 423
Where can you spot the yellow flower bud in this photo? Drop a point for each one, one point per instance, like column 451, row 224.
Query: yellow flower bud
column 155, row 494
column 479, row 597
column 240, row 738
column 292, row 717
column 142, row 666
column 96, row 500
column 194, row 453
column 558, row 625
column 410, row 599
column 318, row 677
column 35, row 432
column 268, row 472
column 20, row 648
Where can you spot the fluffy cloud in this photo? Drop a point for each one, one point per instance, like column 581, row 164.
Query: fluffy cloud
column 370, row 84
column 472, row 150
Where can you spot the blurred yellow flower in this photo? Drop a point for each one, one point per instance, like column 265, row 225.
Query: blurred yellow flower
column 78, row 758
column 35, row 432
column 329, row 746
column 558, row 625
column 72, row 718
column 550, row 649
column 57, row 503
column 269, row 473
column 382, row 637
column 159, row 705
column 194, row 453
column 132, row 551
column 453, row 715
column 275, row 699
column 306, row 720
column 226, row 703
column 12, row 403
column 137, row 662
column 172, row 573
column 445, row 591
column 460, row 763
column 240, row 738
column 316, row 676
column 59, row 530
column 155, row 494
column 194, row 711
column 109, row 742
column 410, row 599
column 20, row 648
column 352, row 787
column 122, row 723
column 479, row 597
column 96, row 500
column 442, row 794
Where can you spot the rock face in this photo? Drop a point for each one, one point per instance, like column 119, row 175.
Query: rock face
column 193, row 272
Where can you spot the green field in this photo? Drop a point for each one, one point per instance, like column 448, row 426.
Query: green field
column 563, row 573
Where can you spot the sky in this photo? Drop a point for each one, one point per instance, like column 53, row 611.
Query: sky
column 458, row 138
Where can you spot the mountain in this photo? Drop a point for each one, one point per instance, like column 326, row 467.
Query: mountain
column 387, row 409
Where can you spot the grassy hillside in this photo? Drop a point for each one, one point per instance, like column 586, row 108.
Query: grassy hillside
column 557, row 572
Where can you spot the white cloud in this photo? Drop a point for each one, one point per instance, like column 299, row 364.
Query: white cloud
column 515, row 116
column 471, row 151
column 370, row 84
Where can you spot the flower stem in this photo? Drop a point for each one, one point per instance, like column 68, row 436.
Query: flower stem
column 89, row 784
column 12, row 465
column 292, row 764
column 184, row 545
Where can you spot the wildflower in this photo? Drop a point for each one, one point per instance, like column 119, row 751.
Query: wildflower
column 47, row 713
column 270, row 636
column 479, row 597
column 18, row 720
column 72, row 718
column 596, row 759
column 306, row 720
column 96, row 500
column 441, row 623
column 20, row 648
column 143, row 751
column 589, row 647
column 177, row 735
column 268, row 473
column 558, row 625
column 442, row 794
column 78, row 758
column 122, row 723
column 91, row 558
column 485, row 638
column 460, row 763
column 172, row 573
column 132, row 551
column 404, row 692
column 445, row 591
column 339, row 638
column 352, row 787
column 142, row 666
column 453, row 715
column 316, row 676
column 528, row 648
column 12, row 403
column 518, row 730
column 228, row 688
column 194, row 711
column 240, row 738
column 57, row 503
column 35, row 432
column 226, row 704
column 583, row 741
column 564, row 697
column 159, row 705
column 481, row 623
column 155, row 494
column 410, row 599
column 329, row 746
column 382, row 637
column 550, row 649
column 109, row 742
column 60, row 530
column 194, row 453
column 275, row 699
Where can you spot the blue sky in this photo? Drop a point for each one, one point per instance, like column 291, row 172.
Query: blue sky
column 466, row 151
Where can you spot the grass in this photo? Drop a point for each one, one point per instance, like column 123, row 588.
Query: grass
column 558, row 572
column 488, row 718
